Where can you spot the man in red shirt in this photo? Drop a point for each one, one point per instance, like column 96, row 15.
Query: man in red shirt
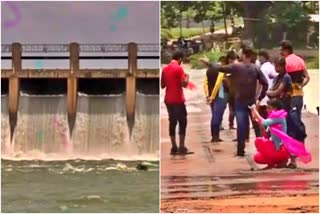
column 174, row 80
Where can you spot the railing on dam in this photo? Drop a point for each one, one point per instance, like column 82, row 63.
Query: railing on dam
column 74, row 51
column 133, row 52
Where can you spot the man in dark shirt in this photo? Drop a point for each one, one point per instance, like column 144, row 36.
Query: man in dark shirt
column 231, row 58
column 244, row 78
column 174, row 80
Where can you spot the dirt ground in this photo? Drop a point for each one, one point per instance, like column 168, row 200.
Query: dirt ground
column 246, row 204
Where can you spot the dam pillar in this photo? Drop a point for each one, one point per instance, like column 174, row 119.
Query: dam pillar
column 14, row 86
column 72, row 84
column 131, row 84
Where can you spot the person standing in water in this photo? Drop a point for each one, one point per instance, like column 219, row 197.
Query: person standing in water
column 269, row 73
column 244, row 78
column 296, row 68
column 174, row 79
column 231, row 57
column 282, row 90
column 219, row 102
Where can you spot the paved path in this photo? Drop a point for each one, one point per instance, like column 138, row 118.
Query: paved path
column 214, row 171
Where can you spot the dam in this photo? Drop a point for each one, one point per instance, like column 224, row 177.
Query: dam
column 78, row 112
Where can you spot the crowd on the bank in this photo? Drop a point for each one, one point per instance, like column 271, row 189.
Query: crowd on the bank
column 269, row 93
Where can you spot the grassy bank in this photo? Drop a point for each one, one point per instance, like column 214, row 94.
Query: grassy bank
column 312, row 62
column 187, row 32
column 174, row 33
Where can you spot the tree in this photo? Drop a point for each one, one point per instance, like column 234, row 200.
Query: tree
column 188, row 15
column 252, row 13
column 172, row 13
column 290, row 17
column 169, row 14
column 207, row 11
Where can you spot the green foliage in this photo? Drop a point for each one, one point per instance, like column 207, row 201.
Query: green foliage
column 169, row 14
column 186, row 32
column 173, row 11
column 270, row 18
column 213, row 55
column 289, row 14
column 312, row 63
column 166, row 34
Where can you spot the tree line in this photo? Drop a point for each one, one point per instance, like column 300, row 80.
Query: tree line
column 264, row 22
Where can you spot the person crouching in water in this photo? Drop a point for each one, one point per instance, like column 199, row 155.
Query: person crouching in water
column 270, row 150
column 282, row 89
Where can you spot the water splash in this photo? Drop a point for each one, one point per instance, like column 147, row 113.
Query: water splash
column 100, row 130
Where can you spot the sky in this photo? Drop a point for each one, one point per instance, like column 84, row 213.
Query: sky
column 82, row 22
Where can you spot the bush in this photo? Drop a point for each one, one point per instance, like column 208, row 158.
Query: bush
column 213, row 56
column 312, row 63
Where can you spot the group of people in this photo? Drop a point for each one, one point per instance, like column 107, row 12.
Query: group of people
column 270, row 94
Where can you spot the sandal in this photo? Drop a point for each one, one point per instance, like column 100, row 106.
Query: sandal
column 292, row 165
column 174, row 151
column 185, row 151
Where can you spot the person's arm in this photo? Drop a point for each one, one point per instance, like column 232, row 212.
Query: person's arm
column 216, row 86
column 255, row 114
column 277, row 92
column 229, row 69
column 306, row 78
column 206, row 86
column 272, row 72
column 205, row 61
column 184, row 78
column 163, row 84
column 264, row 85
column 271, row 121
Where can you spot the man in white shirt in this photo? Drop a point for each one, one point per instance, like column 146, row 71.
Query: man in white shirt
column 269, row 72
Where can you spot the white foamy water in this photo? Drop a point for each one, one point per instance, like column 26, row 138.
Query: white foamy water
column 100, row 132
column 36, row 129
column 5, row 126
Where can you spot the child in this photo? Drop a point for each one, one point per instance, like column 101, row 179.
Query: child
column 271, row 151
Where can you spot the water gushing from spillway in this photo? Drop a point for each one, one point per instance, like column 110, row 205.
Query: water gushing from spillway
column 5, row 126
column 100, row 131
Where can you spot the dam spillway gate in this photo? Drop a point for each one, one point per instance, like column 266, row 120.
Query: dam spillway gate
column 129, row 81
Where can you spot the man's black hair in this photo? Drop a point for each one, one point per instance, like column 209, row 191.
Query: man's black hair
column 287, row 45
column 281, row 62
column 223, row 59
column 264, row 54
column 253, row 57
column 231, row 55
column 248, row 52
column 177, row 55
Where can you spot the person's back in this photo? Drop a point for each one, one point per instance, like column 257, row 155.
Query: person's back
column 244, row 80
column 276, row 119
column 212, row 75
column 172, row 75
